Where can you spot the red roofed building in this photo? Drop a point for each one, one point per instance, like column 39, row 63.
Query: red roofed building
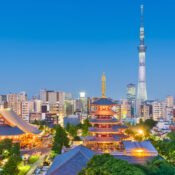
column 106, row 132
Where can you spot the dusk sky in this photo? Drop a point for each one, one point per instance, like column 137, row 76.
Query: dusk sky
column 67, row 45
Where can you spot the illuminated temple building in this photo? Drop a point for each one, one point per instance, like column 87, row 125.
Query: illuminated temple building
column 107, row 135
column 107, row 132
column 13, row 127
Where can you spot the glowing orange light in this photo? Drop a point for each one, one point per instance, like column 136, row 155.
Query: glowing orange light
column 141, row 132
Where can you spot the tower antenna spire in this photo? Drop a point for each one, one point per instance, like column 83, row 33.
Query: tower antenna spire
column 142, row 32
column 142, row 15
column 103, row 85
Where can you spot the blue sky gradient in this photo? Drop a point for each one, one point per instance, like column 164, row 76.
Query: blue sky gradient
column 66, row 45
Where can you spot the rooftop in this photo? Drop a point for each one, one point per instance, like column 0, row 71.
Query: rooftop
column 145, row 145
column 16, row 123
column 114, row 128
column 103, row 139
column 104, row 101
column 72, row 162
column 10, row 131
column 111, row 121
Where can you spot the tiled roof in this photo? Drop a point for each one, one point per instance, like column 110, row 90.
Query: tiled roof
column 103, row 139
column 129, row 146
column 112, row 120
column 16, row 121
column 120, row 127
column 72, row 162
column 103, row 130
column 10, row 131
column 114, row 128
column 104, row 101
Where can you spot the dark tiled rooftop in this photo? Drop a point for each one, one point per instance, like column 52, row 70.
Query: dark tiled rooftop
column 129, row 145
column 104, row 120
column 10, row 131
column 104, row 101
column 72, row 162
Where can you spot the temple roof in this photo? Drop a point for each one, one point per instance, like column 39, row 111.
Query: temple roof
column 16, row 122
column 107, row 121
column 103, row 139
column 146, row 145
column 104, row 101
column 10, row 131
column 103, row 130
column 113, row 129
column 72, row 162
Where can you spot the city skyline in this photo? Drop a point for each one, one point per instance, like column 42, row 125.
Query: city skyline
column 52, row 53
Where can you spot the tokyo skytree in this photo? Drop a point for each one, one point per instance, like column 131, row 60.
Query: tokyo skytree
column 141, row 91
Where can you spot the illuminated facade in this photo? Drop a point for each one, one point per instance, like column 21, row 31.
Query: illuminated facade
column 13, row 127
column 106, row 132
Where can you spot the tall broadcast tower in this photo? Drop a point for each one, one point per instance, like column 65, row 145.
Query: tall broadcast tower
column 141, row 91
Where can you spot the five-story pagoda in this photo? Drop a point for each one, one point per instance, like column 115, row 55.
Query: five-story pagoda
column 106, row 132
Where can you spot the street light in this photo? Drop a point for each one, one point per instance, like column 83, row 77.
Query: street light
column 140, row 132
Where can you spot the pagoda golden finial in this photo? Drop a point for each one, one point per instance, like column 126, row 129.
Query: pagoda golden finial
column 103, row 86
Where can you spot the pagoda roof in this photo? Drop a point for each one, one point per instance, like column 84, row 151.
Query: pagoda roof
column 104, row 101
column 113, row 120
column 71, row 162
column 17, row 123
column 102, row 139
column 6, row 130
column 113, row 129
column 120, row 127
column 103, row 130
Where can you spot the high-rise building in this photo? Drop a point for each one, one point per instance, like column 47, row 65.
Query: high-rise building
column 19, row 104
column 126, row 109
column 35, row 106
column 157, row 108
column 83, row 100
column 146, row 110
column 131, row 92
column 3, row 99
column 25, row 110
column 131, row 97
column 50, row 97
column 170, row 101
column 141, row 90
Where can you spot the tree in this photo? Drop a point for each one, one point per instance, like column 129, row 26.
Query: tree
column 150, row 123
column 5, row 144
column 15, row 150
column 11, row 166
column 85, row 127
column 68, row 126
column 158, row 167
column 108, row 165
column 77, row 138
column 144, row 126
column 72, row 130
column 60, row 139
column 171, row 136
column 166, row 147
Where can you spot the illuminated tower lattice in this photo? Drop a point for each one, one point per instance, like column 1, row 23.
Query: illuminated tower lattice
column 141, row 91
